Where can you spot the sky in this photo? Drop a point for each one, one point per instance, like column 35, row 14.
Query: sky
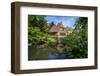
column 66, row 20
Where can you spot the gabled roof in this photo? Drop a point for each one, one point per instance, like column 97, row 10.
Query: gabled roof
column 56, row 28
column 60, row 24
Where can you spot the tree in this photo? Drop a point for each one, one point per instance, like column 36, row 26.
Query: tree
column 38, row 21
column 38, row 31
column 51, row 24
column 77, row 41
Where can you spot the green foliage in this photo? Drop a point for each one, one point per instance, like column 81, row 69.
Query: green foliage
column 38, row 30
column 75, row 44
column 38, row 21
column 77, row 41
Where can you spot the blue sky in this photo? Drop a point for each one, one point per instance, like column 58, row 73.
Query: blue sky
column 67, row 20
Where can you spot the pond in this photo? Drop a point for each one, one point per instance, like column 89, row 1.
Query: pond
column 56, row 55
column 44, row 53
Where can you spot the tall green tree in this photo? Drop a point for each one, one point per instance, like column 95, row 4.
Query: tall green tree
column 38, row 21
column 77, row 41
column 38, row 31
